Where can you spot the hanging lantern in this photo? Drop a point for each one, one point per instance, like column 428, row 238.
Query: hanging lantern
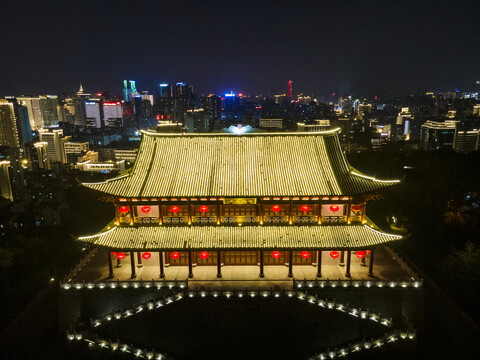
column 120, row 256
column 113, row 253
column 276, row 254
column 175, row 255
column 123, row 209
column 356, row 208
column 146, row 209
column 276, row 208
column 204, row 254
column 334, row 254
column 305, row 208
column 305, row 254
column 203, row 208
column 334, row 208
column 368, row 252
column 146, row 255
column 360, row 254
column 174, row 209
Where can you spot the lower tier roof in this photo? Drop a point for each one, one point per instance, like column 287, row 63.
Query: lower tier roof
column 239, row 237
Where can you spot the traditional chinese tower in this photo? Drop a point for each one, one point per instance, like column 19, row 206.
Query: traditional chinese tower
column 257, row 199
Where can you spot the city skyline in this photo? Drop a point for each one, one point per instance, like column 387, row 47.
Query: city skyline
column 352, row 47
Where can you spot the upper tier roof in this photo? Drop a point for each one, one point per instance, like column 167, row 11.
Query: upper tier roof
column 248, row 165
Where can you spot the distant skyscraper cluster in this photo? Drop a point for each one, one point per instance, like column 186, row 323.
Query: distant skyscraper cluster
column 96, row 131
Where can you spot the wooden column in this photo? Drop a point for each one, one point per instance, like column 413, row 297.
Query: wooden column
column 290, row 216
column 117, row 217
column 349, row 211
column 364, row 210
column 290, row 263
column 190, row 265
column 349, row 258
column 261, row 213
column 319, row 263
column 110, row 264
column 132, row 263
column 119, row 263
column 219, row 264
column 139, row 258
column 320, row 210
column 218, row 212
column 132, row 215
column 162, row 268
column 189, row 212
column 262, row 274
column 160, row 215
column 370, row 265
column 342, row 258
column 362, row 261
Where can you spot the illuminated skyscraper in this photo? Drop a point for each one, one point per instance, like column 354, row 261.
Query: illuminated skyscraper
column 8, row 126
column 55, row 140
column 290, row 88
column 5, row 183
column 129, row 89
column 34, row 112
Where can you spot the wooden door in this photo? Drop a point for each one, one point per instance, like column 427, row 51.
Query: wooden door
column 181, row 260
column 240, row 258
column 268, row 259
column 298, row 259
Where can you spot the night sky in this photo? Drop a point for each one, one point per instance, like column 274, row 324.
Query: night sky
column 253, row 47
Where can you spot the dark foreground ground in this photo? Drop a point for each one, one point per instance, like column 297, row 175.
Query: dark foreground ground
column 253, row 330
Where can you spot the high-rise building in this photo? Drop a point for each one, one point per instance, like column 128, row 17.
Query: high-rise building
column 34, row 112
column 129, row 88
column 403, row 124
column 92, row 114
column 43, row 157
column 290, row 88
column 165, row 90
column 213, row 107
column 48, row 108
column 56, row 141
column 8, row 125
column 5, row 182
column 42, row 110
column 438, row 135
column 73, row 150
column 467, row 140
column 112, row 113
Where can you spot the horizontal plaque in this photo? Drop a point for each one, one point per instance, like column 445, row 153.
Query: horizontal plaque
column 240, row 201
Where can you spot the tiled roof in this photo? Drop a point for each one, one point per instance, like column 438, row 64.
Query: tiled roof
column 256, row 164
column 240, row 237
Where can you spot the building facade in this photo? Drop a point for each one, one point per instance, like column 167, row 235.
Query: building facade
column 267, row 199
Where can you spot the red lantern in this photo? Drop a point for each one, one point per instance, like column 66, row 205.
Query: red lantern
column 120, row 256
column 204, row 254
column 174, row 209
column 146, row 209
column 146, row 255
column 368, row 251
column 334, row 254
column 175, row 255
column 276, row 208
column 113, row 253
column 305, row 254
column 305, row 208
column 356, row 208
column 276, row 254
column 203, row 208
column 123, row 209
column 360, row 254
column 334, row 208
